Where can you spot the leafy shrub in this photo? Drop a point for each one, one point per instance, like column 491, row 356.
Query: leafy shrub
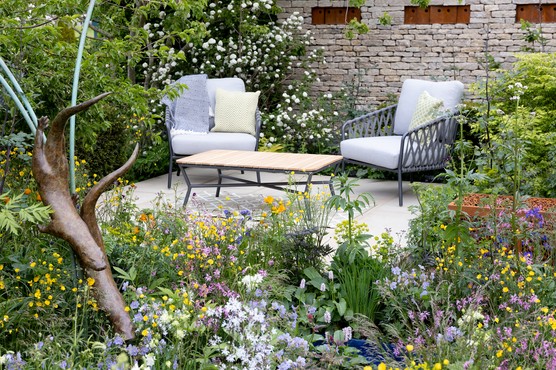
column 530, row 86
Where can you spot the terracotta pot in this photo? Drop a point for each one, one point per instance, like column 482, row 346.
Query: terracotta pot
column 480, row 205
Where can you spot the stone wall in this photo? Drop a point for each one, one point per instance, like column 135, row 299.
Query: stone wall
column 387, row 55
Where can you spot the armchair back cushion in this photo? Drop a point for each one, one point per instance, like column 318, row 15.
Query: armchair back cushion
column 450, row 92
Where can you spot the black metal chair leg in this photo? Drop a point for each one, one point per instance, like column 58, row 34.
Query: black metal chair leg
column 170, row 174
column 400, row 190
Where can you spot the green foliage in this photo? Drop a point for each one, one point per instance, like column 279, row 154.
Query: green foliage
column 291, row 234
column 354, row 27
column 357, row 272
column 421, row 3
column 532, row 36
column 344, row 201
column 528, row 126
column 385, row 19
column 16, row 213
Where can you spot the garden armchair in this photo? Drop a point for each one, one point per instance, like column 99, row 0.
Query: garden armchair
column 414, row 135
column 211, row 113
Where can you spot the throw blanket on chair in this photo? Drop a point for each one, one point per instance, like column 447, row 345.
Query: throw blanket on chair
column 189, row 112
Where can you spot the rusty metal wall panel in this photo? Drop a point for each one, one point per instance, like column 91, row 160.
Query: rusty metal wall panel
column 317, row 16
column 416, row 15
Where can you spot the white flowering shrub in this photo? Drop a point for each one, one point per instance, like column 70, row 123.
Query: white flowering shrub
column 243, row 39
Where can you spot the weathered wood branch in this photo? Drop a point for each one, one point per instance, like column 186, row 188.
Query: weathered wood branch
column 79, row 229
column 88, row 213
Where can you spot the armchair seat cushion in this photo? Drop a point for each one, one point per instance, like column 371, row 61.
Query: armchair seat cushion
column 193, row 144
column 382, row 151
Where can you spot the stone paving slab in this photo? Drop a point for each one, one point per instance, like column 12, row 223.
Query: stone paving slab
column 384, row 215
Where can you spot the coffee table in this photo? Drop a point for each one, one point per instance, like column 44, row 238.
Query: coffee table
column 221, row 160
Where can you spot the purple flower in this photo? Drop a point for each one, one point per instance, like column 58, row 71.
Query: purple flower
column 118, row 341
column 132, row 350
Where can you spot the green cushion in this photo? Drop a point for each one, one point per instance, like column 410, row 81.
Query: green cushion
column 427, row 109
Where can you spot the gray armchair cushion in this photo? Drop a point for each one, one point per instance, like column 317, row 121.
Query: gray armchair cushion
column 192, row 144
column 382, row 151
column 450, row 92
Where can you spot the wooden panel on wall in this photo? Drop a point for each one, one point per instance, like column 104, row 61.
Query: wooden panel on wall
column 354, row 13
column 334, row 15
column 443, row 14
column 449, row 14
column 549, row 13
column 338, row 16
column 317, row 16
column 528, row 12
column 416, row 15
column 464, row 14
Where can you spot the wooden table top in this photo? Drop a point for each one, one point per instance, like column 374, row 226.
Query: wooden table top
column 297, row 162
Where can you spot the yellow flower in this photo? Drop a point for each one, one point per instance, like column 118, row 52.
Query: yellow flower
column 90, row 281
column 269, row 200
column 409, row 348
column 381, row 366
column 145, row 333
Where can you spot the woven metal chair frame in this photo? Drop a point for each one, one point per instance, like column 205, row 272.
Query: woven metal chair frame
column 169, row 123
column 425, row 148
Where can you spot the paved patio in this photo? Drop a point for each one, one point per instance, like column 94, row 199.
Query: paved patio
column 385, row 214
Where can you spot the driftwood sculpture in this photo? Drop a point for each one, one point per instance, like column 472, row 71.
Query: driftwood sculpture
column 79, row 229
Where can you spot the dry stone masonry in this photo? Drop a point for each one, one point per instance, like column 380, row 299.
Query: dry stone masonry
column 383, row 58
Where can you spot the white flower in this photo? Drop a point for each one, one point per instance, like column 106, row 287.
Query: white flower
column 302, row 284
column 323, row 287
column 348, row 333
column 252, row 281
column 149, row 359
column 327, row 317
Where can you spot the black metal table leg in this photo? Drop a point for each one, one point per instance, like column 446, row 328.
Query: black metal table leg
column 219, row 182
column 188, row 182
